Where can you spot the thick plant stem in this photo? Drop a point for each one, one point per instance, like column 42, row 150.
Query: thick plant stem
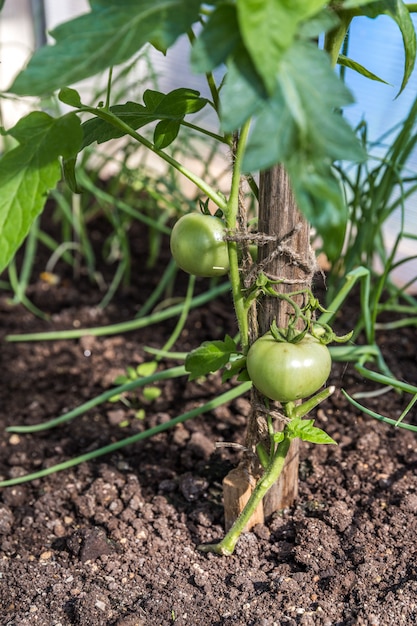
column 227, row 545
column 334, row 39
column 231, row 220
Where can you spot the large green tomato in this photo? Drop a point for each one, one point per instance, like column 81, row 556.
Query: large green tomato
column 198, row 246
column 288, row 371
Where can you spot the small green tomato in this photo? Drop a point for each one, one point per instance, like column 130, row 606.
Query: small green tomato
column 198, row 245
column 286, row 371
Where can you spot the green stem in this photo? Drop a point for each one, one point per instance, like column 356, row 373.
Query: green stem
column 205, row 131
column 334, row 39
column 171, row 373
column 386, row 380
column 350, row 281
column 122, row 327
column 115, row 121
column 209, row 77
column 377, row 416
column 231, row 220
column 224, row 398
column 165, row 280
column 182, row 318
column 108, row 89
column 28, row 259
column 227, row 545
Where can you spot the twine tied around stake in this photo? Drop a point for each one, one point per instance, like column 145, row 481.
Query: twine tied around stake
column 283, row 247
column 259, row 407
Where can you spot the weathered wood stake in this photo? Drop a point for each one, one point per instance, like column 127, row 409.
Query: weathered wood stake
column 278, row 216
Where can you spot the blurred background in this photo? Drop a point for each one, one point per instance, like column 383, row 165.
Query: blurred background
column 376, row 44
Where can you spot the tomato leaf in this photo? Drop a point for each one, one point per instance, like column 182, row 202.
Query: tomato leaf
column 299, row 126
column 210, row 357
column 217, row 40
column 165, row 132
column 306, row 431
column 318, row 24
column 112, row 32
column 173, row 106
column 29, row 171
column 306, row 97
column 268, row 30
column 243, row 93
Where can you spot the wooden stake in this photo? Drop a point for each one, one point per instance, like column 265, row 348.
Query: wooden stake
column 237, row 488
column 278, row 216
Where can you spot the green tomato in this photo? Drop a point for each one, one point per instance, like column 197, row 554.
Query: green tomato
column 198, row 246
column 285, row 371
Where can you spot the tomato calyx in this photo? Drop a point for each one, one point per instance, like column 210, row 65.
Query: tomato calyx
column 204, row 208
column 287, row 335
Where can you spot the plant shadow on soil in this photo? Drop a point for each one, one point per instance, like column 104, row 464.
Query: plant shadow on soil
column 113, row 542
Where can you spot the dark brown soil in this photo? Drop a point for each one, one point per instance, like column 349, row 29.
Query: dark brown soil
column 113, row 541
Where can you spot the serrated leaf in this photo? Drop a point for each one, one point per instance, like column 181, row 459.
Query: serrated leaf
column 360, row 69
column 216, row 41
column 152, row 99
column 158, row 106
column 209, row 357
column 29, row 171
column 306, row 75
column 268, row 30
column 111, row 33
column 273, row 135
column 178, row 103
column 304, row 105
column 320, row 23
column 133, row 114
column 243, row 92
column 306, row 431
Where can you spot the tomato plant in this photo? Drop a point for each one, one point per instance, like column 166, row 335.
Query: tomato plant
column 278, row 102
column 286, row 371
column 198, row 245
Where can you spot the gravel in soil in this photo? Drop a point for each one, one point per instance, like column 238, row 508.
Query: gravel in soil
column 112, row 542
